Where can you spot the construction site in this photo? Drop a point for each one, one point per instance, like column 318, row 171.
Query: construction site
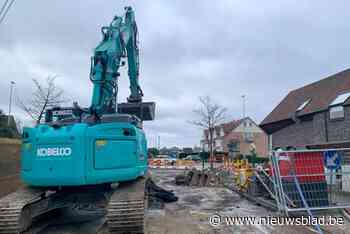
column 200, row 195
column 111, row 120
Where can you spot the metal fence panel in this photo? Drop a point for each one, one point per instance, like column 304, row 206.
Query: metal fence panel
column 322, row 176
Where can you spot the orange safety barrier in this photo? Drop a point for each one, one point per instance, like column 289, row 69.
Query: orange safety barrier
column 161, row 163
column 166, row 163
column 186, row 163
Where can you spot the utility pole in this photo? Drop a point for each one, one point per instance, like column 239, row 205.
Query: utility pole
column 158, row 142
column 243, row 100
column 244, row 124
column 10, row 103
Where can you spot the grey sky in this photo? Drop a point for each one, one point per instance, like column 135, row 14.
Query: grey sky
column 188, row 49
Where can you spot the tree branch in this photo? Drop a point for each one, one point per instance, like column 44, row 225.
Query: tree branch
column 45, row 96
column 209, row 115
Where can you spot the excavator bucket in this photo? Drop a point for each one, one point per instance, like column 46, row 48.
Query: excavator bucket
column 143, row 110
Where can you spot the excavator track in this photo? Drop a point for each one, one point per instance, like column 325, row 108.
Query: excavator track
column 126, row 208
column 15, row 217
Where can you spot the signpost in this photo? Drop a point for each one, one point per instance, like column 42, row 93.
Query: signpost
column 332, row 160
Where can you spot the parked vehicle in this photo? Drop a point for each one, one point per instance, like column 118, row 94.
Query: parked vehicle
column 193, row 157
column 164, row 157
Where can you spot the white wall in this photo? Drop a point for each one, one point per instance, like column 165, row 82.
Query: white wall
column 250, row 127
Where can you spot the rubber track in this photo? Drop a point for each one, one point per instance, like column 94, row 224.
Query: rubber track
column 11, row 207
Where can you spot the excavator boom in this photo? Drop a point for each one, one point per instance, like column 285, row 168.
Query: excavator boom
column 119, row 40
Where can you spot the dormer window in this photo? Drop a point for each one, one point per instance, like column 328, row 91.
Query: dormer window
column 303, row 105
column 340, row 99
column 336, row 109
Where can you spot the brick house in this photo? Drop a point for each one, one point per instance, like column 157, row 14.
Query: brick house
column 244, row 134
column 314, row 116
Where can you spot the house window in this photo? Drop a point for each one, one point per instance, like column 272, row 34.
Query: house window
column 248, row 136
column 233, row 146
column 340, row 99
column 218, row 145
column 336, row 112
column 303, row 105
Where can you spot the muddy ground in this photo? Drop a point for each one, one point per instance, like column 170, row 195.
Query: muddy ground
column 191, row 213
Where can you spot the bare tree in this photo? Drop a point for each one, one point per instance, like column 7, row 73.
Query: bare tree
column 45, row 96
column 209, row 115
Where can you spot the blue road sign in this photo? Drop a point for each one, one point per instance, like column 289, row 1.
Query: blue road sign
column 332, row 159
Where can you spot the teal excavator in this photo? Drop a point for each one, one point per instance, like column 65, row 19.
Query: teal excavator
column 89, row 161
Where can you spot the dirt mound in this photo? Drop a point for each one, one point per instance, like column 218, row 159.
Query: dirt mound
column 9, row 157
column 9, row 165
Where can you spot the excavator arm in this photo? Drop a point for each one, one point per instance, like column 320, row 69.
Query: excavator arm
column 130, row 36
column 119, row 42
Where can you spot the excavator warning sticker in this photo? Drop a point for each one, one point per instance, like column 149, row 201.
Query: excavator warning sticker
column 54, row 151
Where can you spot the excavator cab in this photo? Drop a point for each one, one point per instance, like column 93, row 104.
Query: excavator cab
column 144, row 111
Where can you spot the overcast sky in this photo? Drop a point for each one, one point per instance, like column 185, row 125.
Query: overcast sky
column 224, row 49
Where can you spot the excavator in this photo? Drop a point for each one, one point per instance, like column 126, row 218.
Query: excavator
column 89, row 161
